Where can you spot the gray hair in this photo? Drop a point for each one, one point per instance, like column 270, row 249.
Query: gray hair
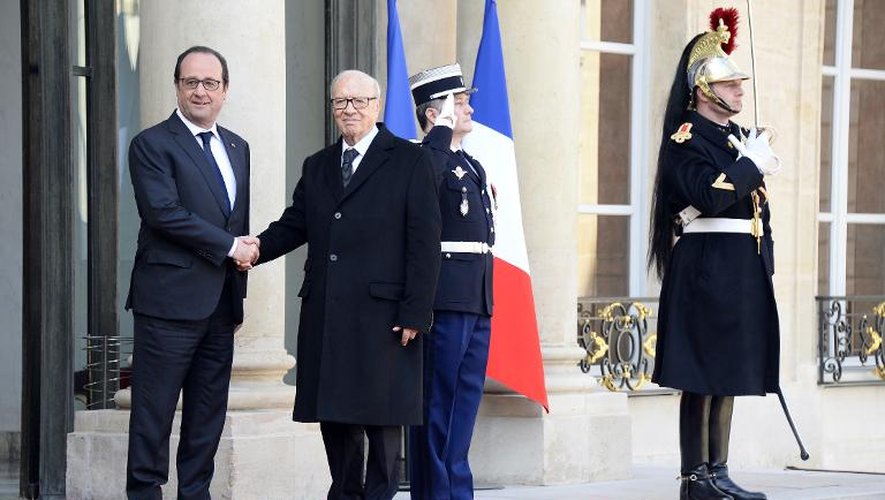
column 349, row 73
column 421, row 111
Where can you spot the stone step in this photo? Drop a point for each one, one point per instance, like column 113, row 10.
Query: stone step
column 659, row 483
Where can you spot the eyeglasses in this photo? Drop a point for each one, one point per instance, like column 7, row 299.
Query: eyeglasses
column 192, row 83
column 340, row 103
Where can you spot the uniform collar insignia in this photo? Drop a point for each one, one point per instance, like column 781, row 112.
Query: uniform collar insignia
column 682, row 134
column 459, row 172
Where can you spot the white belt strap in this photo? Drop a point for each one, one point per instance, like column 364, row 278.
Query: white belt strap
column 721, row 225
column 464, row 246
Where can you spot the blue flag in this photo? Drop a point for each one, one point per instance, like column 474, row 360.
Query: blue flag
column 490, row 105
column 399, row 114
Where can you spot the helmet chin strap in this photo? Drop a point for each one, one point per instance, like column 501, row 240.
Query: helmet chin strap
column 724, row 105
column 710, row 93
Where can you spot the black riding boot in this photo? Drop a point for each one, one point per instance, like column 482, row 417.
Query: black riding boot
column 697, row 483
column 721, row 408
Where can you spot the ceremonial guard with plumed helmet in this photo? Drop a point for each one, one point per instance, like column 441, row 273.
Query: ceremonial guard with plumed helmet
column 710, row 242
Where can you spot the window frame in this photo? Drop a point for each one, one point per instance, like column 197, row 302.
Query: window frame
column 838, row 216
column 638, row 208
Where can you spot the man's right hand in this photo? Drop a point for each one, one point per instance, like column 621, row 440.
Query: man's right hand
column 447, row 113
column 247, row 252
column 758, row 150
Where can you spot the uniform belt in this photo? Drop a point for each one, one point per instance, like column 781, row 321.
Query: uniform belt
column 464, row 246
column 721, row 225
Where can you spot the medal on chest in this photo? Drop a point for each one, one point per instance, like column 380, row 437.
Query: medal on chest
column 464, row 207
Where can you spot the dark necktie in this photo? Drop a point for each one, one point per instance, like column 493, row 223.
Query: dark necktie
column 207, row 150
column 347, row 165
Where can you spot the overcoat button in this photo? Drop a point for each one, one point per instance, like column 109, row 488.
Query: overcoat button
column 333, row 258
column 337, row 215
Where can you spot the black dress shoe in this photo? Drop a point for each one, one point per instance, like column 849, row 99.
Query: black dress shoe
column 697, row 484
column 724, row 483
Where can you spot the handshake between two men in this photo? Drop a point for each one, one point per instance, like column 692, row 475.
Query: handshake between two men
column 246, row 252
column 246, row 255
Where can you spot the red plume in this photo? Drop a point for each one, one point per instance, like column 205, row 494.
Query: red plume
column 730, row 18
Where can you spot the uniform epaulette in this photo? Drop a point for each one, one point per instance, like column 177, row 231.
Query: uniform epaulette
column 682, row 134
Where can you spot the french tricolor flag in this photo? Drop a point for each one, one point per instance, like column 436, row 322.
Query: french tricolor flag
column 515, row 351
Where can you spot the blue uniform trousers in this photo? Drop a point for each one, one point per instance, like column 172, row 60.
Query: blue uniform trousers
column 455, row 371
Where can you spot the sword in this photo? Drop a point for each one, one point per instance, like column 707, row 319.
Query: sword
column 753, row 65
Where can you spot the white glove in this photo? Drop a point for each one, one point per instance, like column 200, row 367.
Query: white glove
column 758, row 150
column 446, row 114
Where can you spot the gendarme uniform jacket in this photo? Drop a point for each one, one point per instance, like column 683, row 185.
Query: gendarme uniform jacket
column 466, row 208
column 718, row 330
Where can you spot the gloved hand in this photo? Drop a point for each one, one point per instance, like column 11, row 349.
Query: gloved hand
column 446, row 114
column 758, row 150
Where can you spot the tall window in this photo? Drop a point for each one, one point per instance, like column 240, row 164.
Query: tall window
column 852, row 173
column 613, row 204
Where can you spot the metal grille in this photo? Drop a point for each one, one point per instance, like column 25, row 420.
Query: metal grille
column 107, row 370
column 850, row 331
column 615, row 333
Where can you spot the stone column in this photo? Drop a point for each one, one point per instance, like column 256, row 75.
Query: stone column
column 261, row 450
column 586, row 435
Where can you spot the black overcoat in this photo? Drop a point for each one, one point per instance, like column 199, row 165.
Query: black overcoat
column 718, row 328
column 372, row 263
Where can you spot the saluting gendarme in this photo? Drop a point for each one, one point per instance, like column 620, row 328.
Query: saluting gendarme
column 458, row 351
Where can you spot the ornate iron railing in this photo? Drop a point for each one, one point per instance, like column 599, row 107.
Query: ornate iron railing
column 615, row 333
column 850, row 331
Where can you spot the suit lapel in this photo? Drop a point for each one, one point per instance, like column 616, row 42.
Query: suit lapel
column 332, row 170
column 188, row 143
column 236, row 155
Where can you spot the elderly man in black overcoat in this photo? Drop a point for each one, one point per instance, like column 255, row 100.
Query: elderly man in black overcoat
column 367, row 209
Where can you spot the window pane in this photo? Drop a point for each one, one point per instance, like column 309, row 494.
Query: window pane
column 80, row 220
column 128, row 123
column 609, row 20
column 868, row 50
column 826, row 145
column 78, row 27
column 603, row 257
column 605, row 137
column 823, row 259
column 866, row 252
column 617, row 21
column 866, row 160
column 830, row 33
column 614, row 129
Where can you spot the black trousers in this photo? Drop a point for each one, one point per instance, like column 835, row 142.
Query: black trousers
column 345, row 452
column 172, row 356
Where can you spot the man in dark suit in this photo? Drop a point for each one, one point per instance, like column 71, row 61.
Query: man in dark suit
column 366, row 207
column 191, row 183
column 458, row 352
